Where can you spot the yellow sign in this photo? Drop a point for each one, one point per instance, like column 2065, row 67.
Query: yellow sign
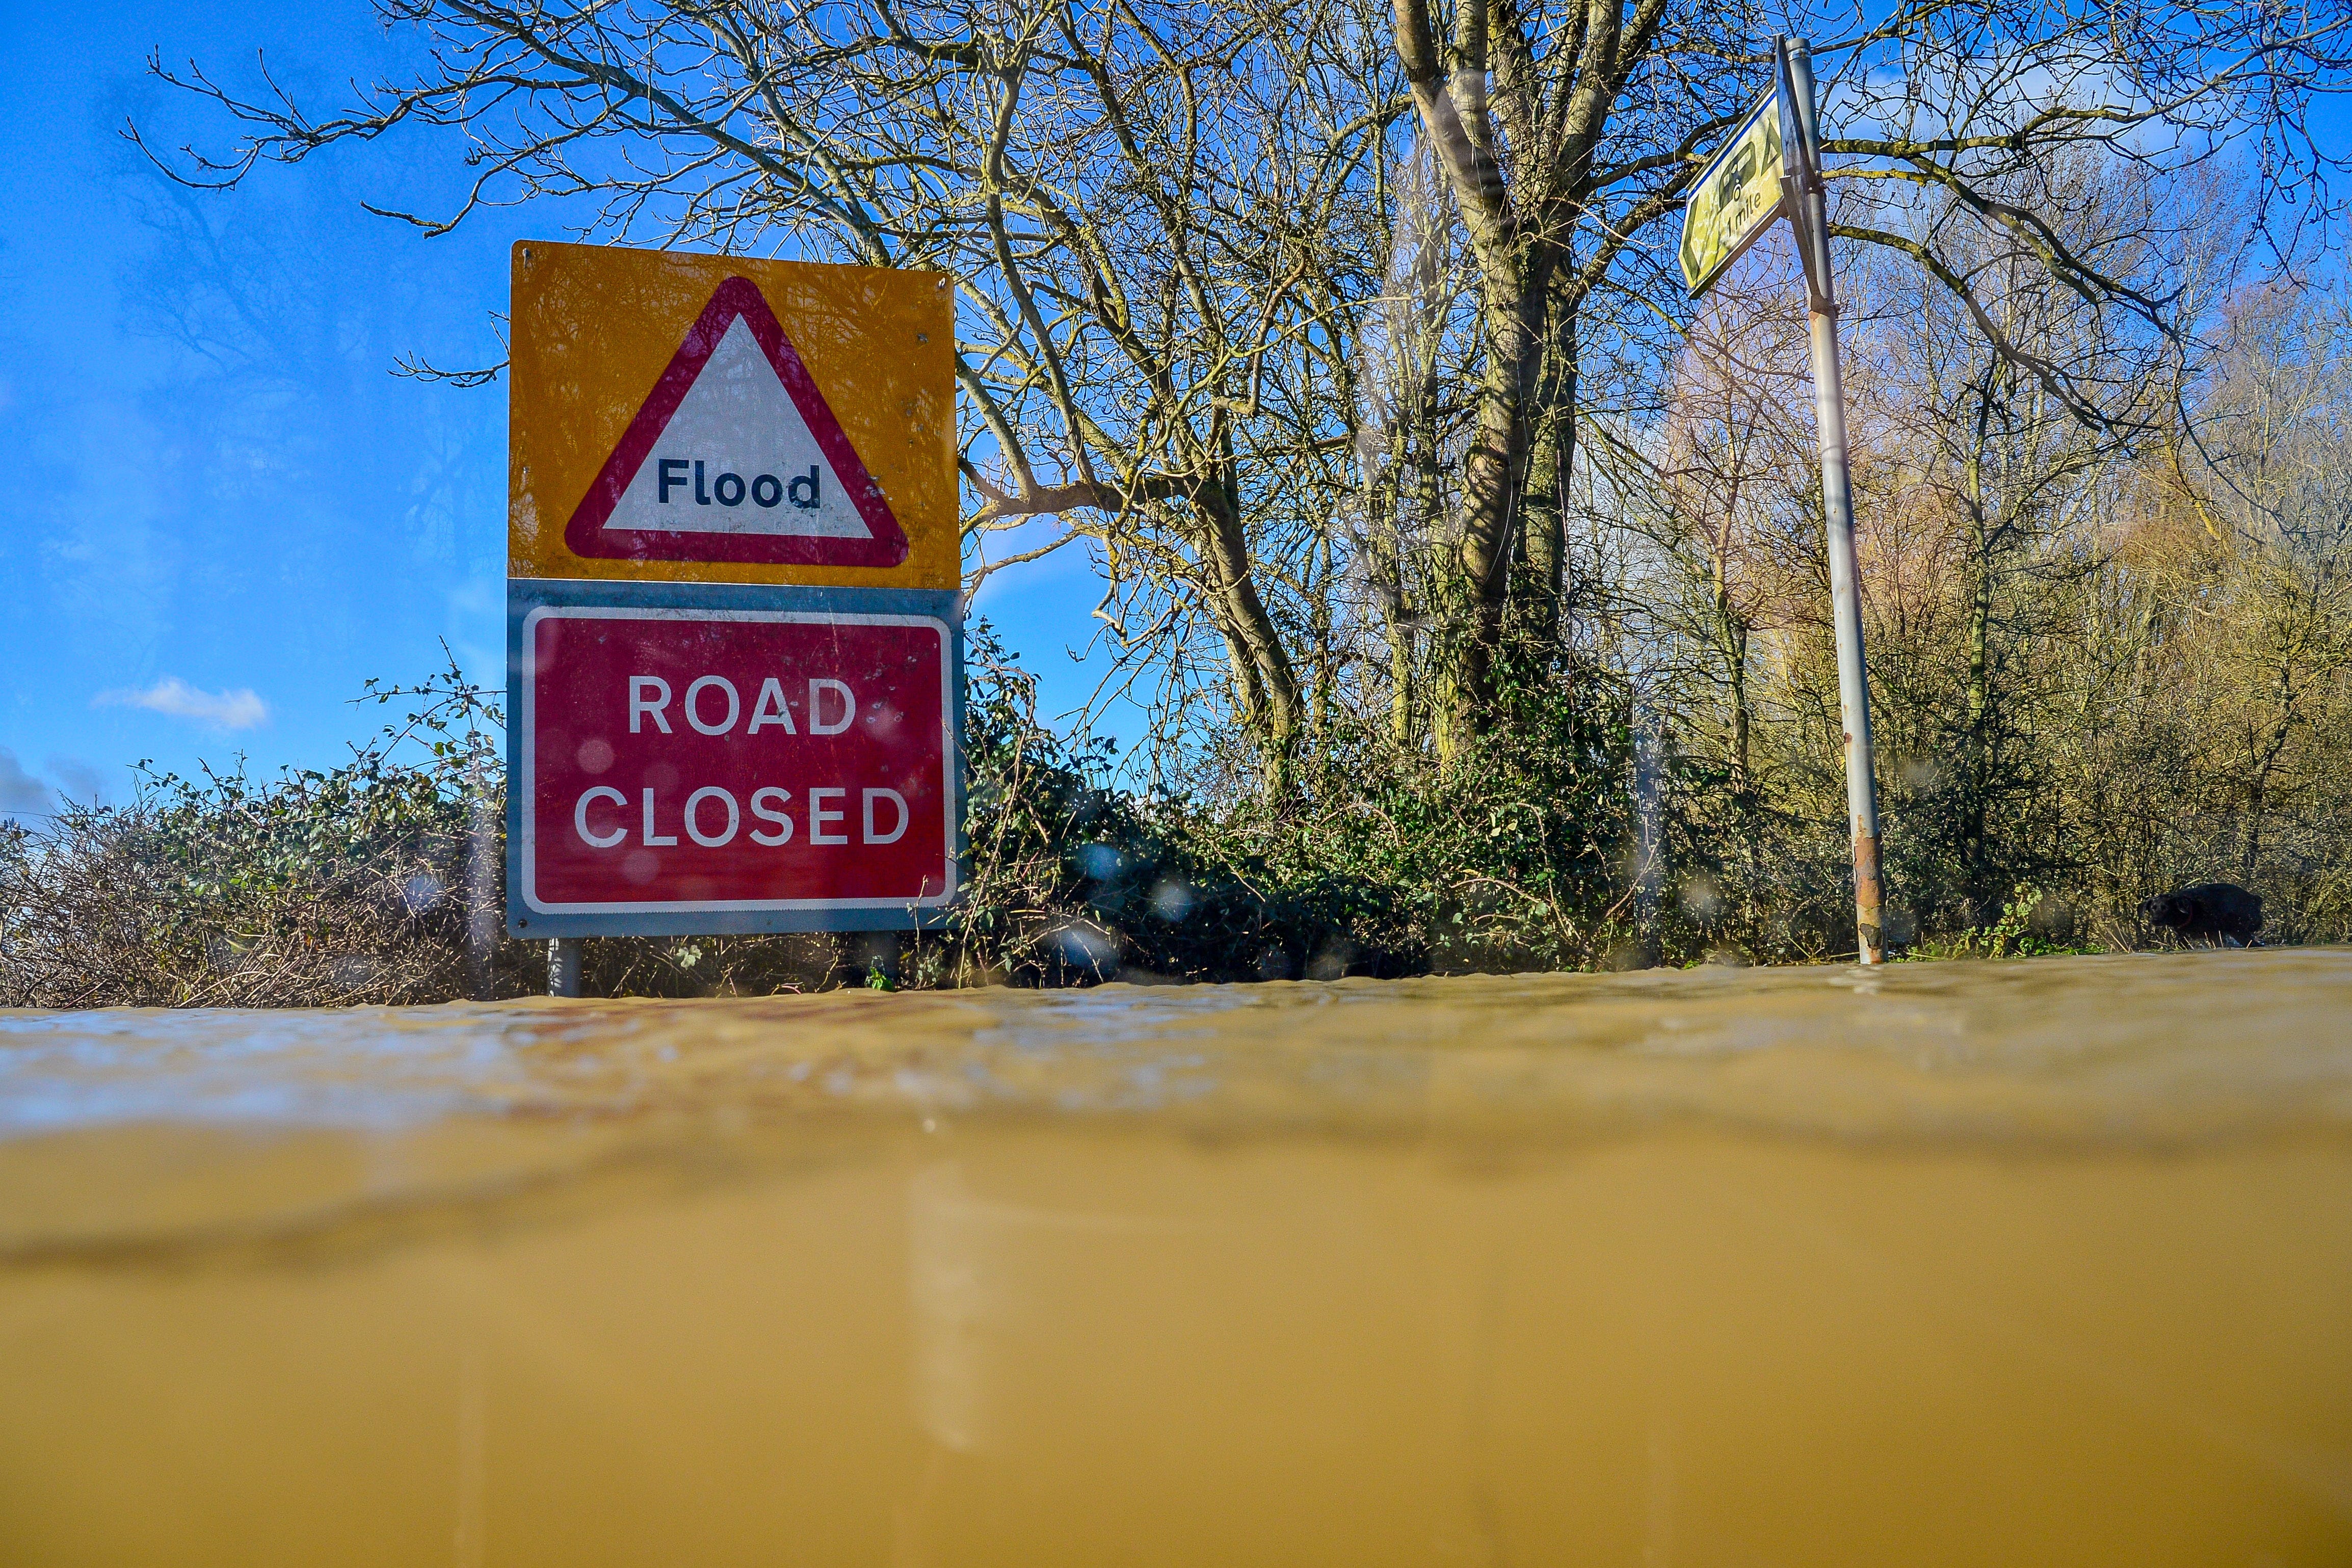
column 1736, row 197
column 716, row 419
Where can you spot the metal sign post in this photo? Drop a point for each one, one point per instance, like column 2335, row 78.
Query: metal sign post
column 563, row 967
column 1808, row 210
column 1771, row 165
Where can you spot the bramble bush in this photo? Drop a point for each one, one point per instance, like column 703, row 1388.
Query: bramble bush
column 360, row 882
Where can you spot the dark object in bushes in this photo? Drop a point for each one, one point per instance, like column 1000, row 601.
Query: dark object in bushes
column 2217, row 911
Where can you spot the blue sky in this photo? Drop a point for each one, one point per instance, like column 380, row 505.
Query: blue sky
column 224, row 513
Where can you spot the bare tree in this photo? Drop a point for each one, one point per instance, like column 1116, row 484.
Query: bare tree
column 1140, row 207
column 2006, row 473
column 2270, row 485
column 1568, row 132
column 1181, row 238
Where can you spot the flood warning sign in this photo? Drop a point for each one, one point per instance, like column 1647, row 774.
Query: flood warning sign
column 735, row 455
column 681, row 417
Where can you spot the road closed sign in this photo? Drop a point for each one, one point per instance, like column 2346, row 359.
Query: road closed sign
column 690, row 418
column 734, row 631
column 761, row 763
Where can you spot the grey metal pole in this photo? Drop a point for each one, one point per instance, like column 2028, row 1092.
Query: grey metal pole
column 1837, row 502
column 563, row 967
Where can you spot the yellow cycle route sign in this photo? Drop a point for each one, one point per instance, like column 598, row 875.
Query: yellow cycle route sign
column 1736, row 198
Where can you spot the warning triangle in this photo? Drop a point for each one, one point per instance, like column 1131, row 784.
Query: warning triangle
column 736, row 456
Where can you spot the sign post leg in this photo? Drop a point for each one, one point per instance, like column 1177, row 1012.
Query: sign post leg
column 563, row 967
column 1837, row 504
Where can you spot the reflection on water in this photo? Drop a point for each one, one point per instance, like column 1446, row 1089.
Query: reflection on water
column 2045, row 1262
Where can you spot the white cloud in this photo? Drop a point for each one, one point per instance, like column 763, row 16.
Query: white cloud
column 238, row 709
column 21, row 793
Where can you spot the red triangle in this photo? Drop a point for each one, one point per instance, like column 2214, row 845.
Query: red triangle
column 738, row 297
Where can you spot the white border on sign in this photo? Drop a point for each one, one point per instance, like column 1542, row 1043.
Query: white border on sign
column 717, row 905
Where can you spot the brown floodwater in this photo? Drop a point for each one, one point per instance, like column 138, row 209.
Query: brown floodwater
column 2031, row 1263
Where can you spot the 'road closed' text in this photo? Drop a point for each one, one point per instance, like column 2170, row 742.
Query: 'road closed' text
column 711, row 817
column 732, row 759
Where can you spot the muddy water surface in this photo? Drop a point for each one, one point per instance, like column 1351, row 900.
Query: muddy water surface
column 2031, row 1263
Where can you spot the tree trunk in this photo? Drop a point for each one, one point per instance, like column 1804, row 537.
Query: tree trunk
column 1319, row 631
column 1400, row 684
column 1515, row 267
column 1265, row 683
column 2258, row 780
column 1494, row 473
column 1551, row 462
column 1733, row 629
column 1978, row 718
column 1739, row 717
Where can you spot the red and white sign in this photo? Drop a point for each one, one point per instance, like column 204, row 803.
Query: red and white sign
column 709, row 760
column 736, row 456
